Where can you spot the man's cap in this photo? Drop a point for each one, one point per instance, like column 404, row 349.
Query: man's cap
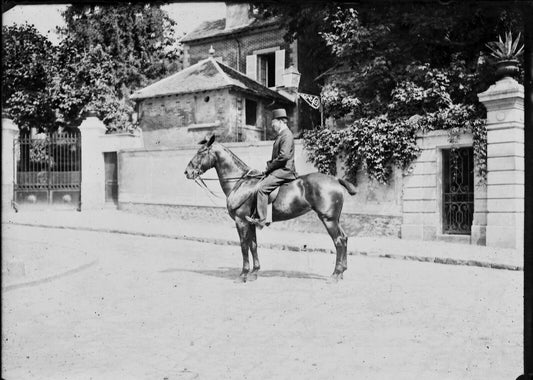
column 279, row 113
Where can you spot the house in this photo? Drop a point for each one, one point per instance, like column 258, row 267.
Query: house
column 207, row 97
column 235, row 70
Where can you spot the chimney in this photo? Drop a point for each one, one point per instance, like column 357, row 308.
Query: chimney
column 237, row 15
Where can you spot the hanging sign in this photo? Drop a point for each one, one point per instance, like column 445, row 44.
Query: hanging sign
column 312, row 100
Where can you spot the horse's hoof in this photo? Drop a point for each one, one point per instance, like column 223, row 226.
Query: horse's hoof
column 241, row 279
column 342, row 276
column 333, row 279
column 252, row 277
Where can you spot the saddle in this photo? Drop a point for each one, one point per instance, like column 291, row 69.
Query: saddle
column 241, row 194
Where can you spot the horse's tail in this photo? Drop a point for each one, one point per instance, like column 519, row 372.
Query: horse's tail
column 348, row 186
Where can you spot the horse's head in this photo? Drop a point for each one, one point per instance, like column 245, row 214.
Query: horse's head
column 203, row 160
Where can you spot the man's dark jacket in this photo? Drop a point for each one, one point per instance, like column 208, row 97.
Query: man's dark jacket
column 282, row 163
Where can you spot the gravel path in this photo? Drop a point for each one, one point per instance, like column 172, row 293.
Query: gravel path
column 154, row 308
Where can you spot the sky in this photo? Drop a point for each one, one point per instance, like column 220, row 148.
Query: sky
column 46, row 17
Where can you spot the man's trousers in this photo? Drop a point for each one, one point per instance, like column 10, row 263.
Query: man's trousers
column 265, row 187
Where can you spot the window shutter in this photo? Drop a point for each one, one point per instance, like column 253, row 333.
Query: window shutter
column 280, row 67
column 251, row 66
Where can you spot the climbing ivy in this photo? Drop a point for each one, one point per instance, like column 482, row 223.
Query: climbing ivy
column 384, row 135
column 375, row 144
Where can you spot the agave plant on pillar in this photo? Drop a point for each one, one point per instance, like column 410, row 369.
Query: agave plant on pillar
column 505, row 52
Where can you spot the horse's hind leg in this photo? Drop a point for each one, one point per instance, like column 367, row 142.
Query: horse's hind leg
column 341, row 245
column 253, row 249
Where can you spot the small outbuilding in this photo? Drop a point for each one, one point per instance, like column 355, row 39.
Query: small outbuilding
column 207, row 97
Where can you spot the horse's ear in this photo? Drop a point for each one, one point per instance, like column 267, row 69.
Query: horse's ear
column 211, row 140
column 202, row 142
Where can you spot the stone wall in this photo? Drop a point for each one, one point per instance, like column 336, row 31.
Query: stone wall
column 153, row 182
column 423, row 188
column 183, row 119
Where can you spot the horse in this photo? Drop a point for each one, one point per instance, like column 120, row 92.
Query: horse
column 319, row 192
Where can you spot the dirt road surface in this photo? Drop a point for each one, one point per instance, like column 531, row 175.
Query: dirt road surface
column 86, row 305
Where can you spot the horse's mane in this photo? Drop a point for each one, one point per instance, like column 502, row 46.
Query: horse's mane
column 240, row 163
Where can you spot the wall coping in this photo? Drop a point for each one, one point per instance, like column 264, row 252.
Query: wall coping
column 122, row 134
column 437, row 133
column 504, row 89
column 243, row 144
column 8, row 125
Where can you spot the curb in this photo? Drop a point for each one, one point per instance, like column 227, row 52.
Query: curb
column 287, row 247
column 49, row 278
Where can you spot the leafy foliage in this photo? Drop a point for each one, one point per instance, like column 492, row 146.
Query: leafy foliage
column 27, row 69
column 106, row 52
column 139, row 38
column 408, row 68
column 374, row 144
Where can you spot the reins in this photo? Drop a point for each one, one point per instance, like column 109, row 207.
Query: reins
column 200, row 181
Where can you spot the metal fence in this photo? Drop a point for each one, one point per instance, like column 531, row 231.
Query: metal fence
column 48, row 170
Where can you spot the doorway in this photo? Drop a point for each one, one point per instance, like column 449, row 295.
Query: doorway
column 458, row 190
column 111, row 177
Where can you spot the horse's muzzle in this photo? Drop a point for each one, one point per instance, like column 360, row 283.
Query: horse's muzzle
column 191, row 173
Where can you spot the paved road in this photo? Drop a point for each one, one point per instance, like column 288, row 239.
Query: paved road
column 109, row 306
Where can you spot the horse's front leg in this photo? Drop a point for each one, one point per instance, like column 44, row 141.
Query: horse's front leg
column 253, row 249
column 244, row 228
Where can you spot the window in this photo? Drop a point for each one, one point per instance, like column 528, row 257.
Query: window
column 266, row 69
column 250, row 108
column 266, row 66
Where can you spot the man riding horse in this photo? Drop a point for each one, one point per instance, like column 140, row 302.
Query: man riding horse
column 322, row 193
column 280, row 168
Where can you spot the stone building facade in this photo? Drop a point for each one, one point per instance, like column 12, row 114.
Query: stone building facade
column 251, row 46
column 205, row 98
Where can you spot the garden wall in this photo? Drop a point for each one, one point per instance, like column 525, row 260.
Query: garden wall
column 423, row 193
column 153, row 182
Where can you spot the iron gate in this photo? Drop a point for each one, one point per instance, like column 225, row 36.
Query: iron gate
column 48, row 170
column 458, row 189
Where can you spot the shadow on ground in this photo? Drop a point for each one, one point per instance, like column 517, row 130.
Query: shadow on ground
column 233, row 273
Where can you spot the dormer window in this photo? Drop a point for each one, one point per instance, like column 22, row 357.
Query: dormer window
column 266, row 69
column 266, row 66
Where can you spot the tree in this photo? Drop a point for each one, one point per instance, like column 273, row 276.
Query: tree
column 27, row 71
column 107, row 52
column 412, row 66
column 139, row 37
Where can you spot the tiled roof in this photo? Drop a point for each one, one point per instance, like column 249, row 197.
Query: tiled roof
column 208, row 74
column 218, row 28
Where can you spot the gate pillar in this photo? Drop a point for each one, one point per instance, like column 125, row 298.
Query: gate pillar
column 9, row 134
column 504, row 102
column 92, row 164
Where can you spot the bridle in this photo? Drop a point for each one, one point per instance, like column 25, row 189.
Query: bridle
column 201, row 181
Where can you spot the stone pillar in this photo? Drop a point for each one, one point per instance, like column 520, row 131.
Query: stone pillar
column 505, row 163
column 92, row 164
column 9, row 134
column 478, row 235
